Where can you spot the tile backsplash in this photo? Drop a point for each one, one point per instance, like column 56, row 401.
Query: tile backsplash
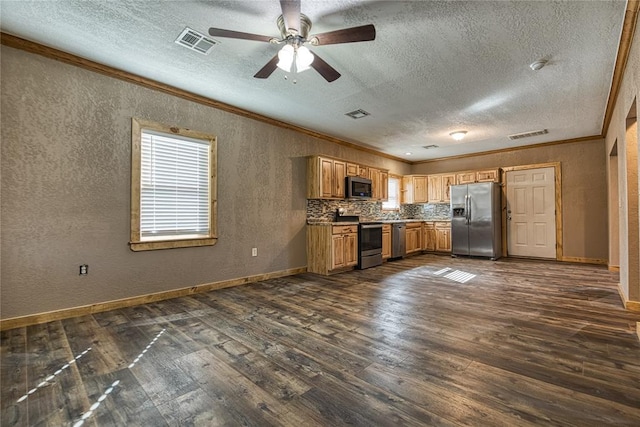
column 325, row 210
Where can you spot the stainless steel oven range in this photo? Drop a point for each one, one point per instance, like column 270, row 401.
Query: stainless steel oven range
column 369, row 244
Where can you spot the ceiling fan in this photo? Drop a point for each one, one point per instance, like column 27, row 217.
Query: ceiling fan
column 295, row 56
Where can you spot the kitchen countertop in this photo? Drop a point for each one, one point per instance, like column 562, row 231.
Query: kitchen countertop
column 383, row 221
column 394, row 221
column 320, row 222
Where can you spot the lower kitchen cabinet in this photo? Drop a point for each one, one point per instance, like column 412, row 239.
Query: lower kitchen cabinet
column 344, row 247
column 386, row 241
column 331, row 247
column 443, row 236
column 437, row 236
column 413, row 237
column 429, row 237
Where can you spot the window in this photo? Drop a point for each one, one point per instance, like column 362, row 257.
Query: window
column 393, row 201
column 173, row 187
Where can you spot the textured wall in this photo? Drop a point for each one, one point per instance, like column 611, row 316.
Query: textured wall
column 617, row 135
column 584, row 190
column 66, row 158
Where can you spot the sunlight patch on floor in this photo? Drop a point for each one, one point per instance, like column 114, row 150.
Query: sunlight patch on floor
column 51, row 377
column 455, row 275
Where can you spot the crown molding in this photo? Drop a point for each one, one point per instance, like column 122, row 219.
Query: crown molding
column 624, row 47
column 626, row 38
column 58, row 55
column 506, row 150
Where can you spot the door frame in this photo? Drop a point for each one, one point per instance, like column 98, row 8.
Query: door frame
column 558, row 196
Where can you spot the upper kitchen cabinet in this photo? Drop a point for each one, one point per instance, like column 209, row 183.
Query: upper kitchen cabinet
column 325, row 178
column 384, row 185
column 379, row 183
column 414, row 189
column 485, row 175
column 439, row 187
column 488, row 175
column 352, row 169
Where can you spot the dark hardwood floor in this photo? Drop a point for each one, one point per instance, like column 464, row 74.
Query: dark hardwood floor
column 408, row 343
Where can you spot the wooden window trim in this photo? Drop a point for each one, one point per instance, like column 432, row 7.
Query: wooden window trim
column 136, row 243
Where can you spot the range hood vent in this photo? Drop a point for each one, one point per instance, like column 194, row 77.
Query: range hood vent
column 193, row 40
column 528, row 134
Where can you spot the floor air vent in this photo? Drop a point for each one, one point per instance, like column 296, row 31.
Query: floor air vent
column 528, row 134
column 193, row 40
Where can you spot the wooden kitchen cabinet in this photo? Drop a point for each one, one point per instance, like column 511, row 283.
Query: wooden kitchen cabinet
column 413, row 237
column 384, row 185
column 379, row 183
column 439, row 187
column 489, row 175
column 437, row 236
column 429, row 237
column 465, row 177
column 331, row 247
column 325, row 178
column 374, row 176
column 485, row 175
column 414, row 189
column 443, row 236
column 386, row 241
column 344, row 248
column 339, row 175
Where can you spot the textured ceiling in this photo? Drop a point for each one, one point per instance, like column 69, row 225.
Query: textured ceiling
column 435, row 67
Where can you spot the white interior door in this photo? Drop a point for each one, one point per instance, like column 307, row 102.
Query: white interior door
column 531, row 213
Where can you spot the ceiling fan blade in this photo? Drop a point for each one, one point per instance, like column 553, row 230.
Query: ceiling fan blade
column 327, row 71
column 268, row 69
column 348, row 35
column 291, row 14
column 219, row 32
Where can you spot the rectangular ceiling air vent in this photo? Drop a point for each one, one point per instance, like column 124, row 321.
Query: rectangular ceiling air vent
column 528, row 134
column 429, row 147
column 193, row 40
column 357, row 114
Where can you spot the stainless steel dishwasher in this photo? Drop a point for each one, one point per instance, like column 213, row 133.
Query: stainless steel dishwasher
column 398, row 246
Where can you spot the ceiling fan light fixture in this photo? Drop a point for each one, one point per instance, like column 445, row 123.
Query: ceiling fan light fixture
column 458, row 135
column 304, row 58
column 285, row 58
column 300, row 56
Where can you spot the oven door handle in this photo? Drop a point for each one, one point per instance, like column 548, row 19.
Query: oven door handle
column 370, row 225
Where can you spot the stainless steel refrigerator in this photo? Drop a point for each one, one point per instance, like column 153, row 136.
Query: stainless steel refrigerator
column 476, row 217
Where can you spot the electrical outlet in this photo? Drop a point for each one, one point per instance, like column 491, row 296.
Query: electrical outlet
column 84, row 269
column 254, row 251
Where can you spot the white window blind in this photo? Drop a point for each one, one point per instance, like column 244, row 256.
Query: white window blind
column 393, row 200
column 174, row 187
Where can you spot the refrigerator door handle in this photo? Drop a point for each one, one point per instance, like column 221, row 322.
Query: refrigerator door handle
column 467, row 200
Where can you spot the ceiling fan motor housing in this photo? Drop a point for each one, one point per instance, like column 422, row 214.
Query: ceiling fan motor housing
column 303, row 31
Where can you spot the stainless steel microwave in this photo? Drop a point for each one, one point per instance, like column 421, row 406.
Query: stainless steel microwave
column 357, row 188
